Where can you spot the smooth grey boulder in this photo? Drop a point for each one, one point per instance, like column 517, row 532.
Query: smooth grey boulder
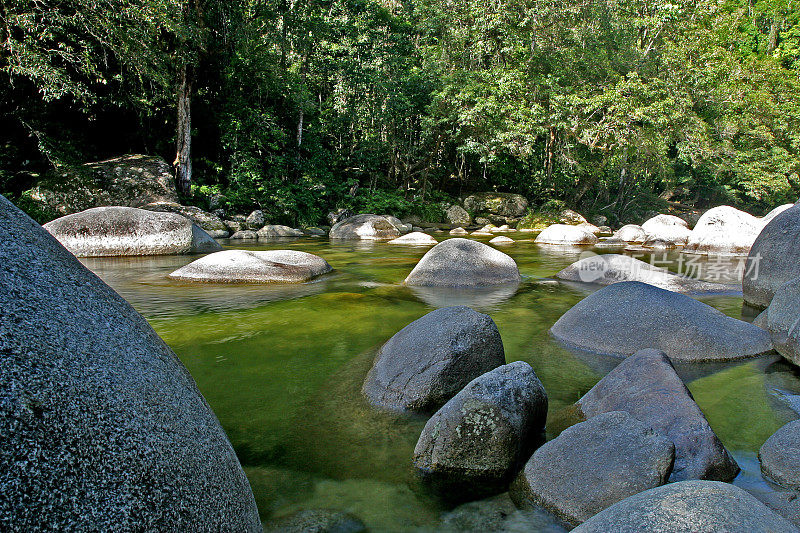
column 780, row 456
column 120, row 231
column 416, row 238
column 276, row 230
column 315, row 231
column 243, row 266
column 630, row 233
column 430, row 360
column 102, row 427
column 565, row 234
column 593, row 465
column 210, row 223
column 255, row 219
column 783, row 320
column 364, row 227
column 459, row 231
column 667, row 228
column 614, row 268
column 774, row 258
column 646, row 387
column 478, row 440
column 623, row 318
column 689, row 507
column 397, row 223
column 502, row 239
column 463, row 263
column 455, row 214
column 244, row 235
column 724, row 230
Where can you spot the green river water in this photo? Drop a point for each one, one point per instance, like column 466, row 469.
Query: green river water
column 282, row 367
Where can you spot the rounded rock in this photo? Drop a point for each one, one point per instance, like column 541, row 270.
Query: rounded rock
column 463, row 263
column 364, row 227
column 242, row 266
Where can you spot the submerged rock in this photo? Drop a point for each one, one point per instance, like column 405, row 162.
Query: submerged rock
column 272, row 231
column 646, row 386
column 689, row 507
column 120, row 231
column 476, row 442
column 364, row 227
column 593, row 465
column 774, row 258
column 416, row 237
column 667, row 228
column 242, row 266
column 210, row 223
column 316, row 521
column 780, row 456
column 427, row 362
column 614, row 268
column 724, row 230
column 463, row 263
column 103, row 428
column 626, row 317
column 565, row 234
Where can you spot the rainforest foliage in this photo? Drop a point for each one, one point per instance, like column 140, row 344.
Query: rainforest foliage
column 301, row 106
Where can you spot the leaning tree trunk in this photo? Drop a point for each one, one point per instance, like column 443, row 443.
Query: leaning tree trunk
column 183, row 156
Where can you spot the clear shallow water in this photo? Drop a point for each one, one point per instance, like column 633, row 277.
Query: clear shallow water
column 282, row 367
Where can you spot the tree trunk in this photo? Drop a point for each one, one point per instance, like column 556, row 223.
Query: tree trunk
column 774, row 31
column 183, row 156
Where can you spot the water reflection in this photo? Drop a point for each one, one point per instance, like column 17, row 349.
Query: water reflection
column 478, row 297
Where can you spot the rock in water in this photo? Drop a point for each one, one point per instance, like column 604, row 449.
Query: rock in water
column 593, row 465
column 566, row 235
column 114, row 231
column 774, row 258
column 457, row 215
column 630, row 233
column 668, row 228
column 689, row 507
column 646, row 387
column 780, row 456
column 459, row 231
column 364, row 227
column 242, row 266
column 783, row 317
column 430, row 360
column 316, row 521
column 724, row 230
column 477, row 441
column 129, row 181
column 103, row 428
column 626, row 317
column 502, row 240
column 614, row 268
column 276, row 230
column 211, row 224
column 416, row 237
column 463, row 263
column 244, row 235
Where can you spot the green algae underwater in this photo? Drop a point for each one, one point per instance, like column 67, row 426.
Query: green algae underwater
column 282, row 367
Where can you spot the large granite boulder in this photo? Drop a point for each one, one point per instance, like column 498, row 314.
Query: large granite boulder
column 272, row 231
column 626, row 317
column 242, row 266
column 646, row 387
column 593, row 465
column 129, row 181
column 103, row 428
column 478, row 440
column 458, row 216
column 689, row 507
column 782, row 320
column 417, row 238
column 427, row 362
column 630, row 233
column 496, row 203
column 614, row 268
column 780, row 456
column 211, row 224
column 364, row 227
column 463, row 263
column 774, row 258
column 668, row 228
column 115, row 231
column 724, row 230
column 564, row 234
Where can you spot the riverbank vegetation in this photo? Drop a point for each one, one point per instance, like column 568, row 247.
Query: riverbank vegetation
column 297, row 107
